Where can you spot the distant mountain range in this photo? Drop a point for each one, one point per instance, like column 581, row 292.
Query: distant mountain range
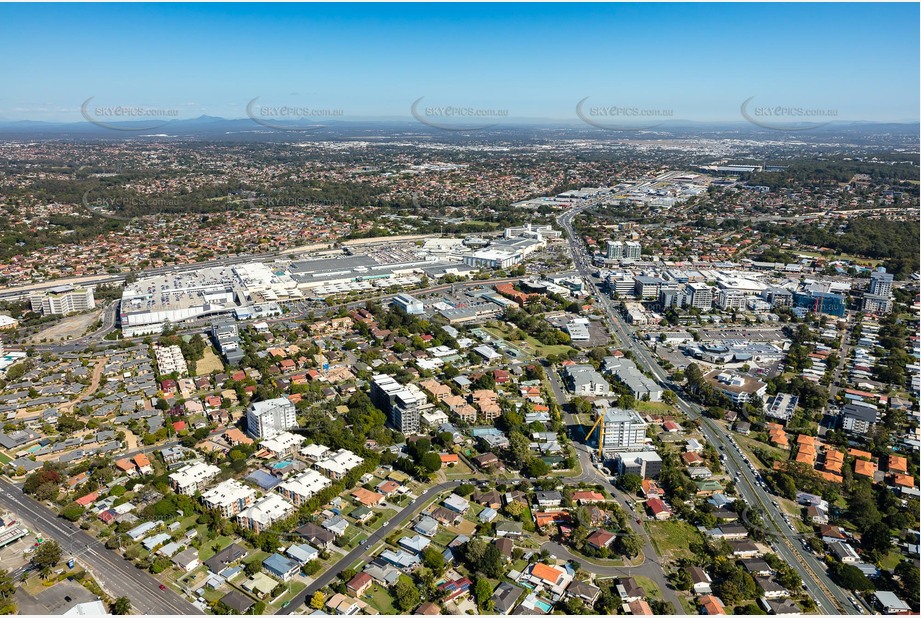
column 211, row 127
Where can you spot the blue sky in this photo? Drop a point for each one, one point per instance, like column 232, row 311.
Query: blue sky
column 699, row 61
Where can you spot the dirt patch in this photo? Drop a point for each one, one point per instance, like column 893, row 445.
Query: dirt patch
column 210, row 362
column 68, row 328
column 131, row 440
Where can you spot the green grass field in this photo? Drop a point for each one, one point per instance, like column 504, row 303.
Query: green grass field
column 378, row 598
column 458, row 470
column 207, row 549
column 672, row 539
column 386, row 514
column 649, row 586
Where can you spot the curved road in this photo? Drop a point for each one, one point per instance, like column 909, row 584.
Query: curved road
column 828, row 595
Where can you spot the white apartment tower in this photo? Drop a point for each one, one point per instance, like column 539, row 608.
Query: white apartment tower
column 267, row 419
column 63, row 299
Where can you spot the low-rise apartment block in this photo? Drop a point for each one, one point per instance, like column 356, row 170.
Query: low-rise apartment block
column 193, row 477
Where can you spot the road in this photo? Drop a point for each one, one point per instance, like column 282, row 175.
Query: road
column 650, row 566
column 116, row 575
column 364, row 551
column 786, row 542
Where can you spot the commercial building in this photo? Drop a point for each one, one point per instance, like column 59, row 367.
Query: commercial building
column 626, row 372
column 585, row 380
column 408, row 304
column 877, row 305
column 229, row 497
column 821, row 302
column 538, row 232
column 615, row 250
column 226, row 337
column 400, row 402
column 578, row 330
column 881, row 283
column 621, row 284
column 191, row 478
column 781, row 406
column 699, row 296
column 283, row 444
column 266, row 419
column 646, row 287
column 646, row 464
column 622, row 430
column 737, row 387
column 338, row 464
column 729, row 300
column 858, row 418
column 62, row 300
column 671, row 296
column 778, row 297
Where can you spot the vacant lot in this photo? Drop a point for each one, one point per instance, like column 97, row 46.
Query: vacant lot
column 68, row 328
column 673, row 539
column 210, row 362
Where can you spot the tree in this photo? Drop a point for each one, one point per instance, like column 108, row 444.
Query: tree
column 473, row 553
column 431, row 461
column 515, row 509
column 535, row 467
column 433, row 559
column 47, row 556
column 483, row 593
column 317, row 600
column 734, row 584
column 121, row 606
column 876, row 539
column 7, row 588
column 72, row 512
column 850, row 577
column 631, row 482
column 629, row 544
column 405, row 593
column 491, row 564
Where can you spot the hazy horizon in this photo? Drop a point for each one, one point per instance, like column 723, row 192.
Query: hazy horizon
column 627, row 64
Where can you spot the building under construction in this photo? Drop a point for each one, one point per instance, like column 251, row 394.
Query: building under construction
column 618, row 430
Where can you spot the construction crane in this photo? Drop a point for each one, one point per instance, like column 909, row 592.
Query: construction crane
column 599, row 425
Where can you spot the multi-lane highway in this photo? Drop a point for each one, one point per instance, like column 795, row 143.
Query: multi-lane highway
column 116, row 575
column 831, row 598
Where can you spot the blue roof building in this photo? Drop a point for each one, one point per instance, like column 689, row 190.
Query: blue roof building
column 280, row 567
